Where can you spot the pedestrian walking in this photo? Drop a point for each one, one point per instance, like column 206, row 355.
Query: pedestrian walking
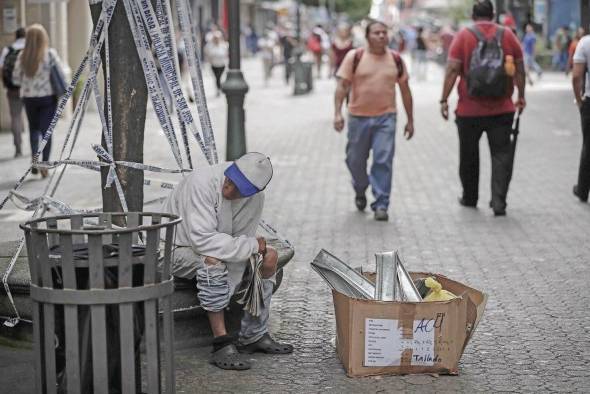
column 529, row 43
column 288, row 45
column 7, row 62
column 370, row 74
column 560, row 41
column 221, row 206
column 267, row 44
column 251, row 40
column 421, row 53
column 340, row 46
column 216, row 53
column 185, row 78
column 488, row 59
column 315, row 45
column 581, row 86
column 32, row 72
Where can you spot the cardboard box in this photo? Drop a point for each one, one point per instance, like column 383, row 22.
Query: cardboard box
column 385, row 337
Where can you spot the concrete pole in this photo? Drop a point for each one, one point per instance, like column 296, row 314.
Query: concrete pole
column 129, row 100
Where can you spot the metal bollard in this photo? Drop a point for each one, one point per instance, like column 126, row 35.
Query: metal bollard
column 96, row 293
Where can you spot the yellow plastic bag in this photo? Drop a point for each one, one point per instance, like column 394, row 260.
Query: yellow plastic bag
column 437, row 293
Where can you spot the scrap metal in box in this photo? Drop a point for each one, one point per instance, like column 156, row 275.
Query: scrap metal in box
column 389, row 337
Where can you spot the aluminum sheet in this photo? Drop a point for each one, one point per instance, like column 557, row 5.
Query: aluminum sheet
column 386, row 283
column 342, row 277
column 409, row 292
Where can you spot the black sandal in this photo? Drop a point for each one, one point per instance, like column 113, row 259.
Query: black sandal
column 228, row 358
column 266, row 345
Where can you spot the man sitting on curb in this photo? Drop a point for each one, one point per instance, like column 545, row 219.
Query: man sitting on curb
column 221, row 207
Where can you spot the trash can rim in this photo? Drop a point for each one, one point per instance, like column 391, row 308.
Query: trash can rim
column 174, row 220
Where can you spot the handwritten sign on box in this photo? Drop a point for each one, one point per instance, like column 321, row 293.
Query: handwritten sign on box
column 384, row 343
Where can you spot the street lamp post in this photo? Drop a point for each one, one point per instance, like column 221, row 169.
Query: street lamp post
column 298, row 21
column 235, row 88
column 301, row 72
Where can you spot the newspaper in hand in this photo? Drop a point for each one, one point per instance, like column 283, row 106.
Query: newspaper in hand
column 252, row 298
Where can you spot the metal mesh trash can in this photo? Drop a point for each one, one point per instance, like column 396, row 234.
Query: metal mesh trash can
column 96, row 289
column 303, row 77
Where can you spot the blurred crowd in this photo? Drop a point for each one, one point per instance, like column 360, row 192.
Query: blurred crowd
column 326, row 45
column 421, row 43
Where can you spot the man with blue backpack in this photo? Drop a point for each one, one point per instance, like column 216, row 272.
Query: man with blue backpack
column 489, row 61
column 8, row 58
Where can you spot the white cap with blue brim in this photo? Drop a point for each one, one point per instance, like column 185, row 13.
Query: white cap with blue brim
column 250, row 173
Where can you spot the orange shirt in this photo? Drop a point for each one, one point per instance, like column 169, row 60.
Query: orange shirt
column 372, row 90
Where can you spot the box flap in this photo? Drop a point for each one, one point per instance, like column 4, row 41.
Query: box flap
column 476, row 300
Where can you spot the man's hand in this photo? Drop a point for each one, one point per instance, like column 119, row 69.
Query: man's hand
column 578, row 77
column 342, row 90
column 451, row 74
column 338, row 122
column 520, row 104
column 409, row 130
column 261, row 245
column 444, row 110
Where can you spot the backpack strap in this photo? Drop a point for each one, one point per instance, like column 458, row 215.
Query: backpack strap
column 480, row 37
column 477, row 33
column 398, row 63
column 358, row 54
column 51, row 57
column 500, row 34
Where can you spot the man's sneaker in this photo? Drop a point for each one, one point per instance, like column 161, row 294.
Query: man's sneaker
column 381, row 214
column 360, row 201
column 466, row 203
column 579, row 195
column 499, row 211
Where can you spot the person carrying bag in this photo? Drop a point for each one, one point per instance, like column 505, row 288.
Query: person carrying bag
column 39, row 73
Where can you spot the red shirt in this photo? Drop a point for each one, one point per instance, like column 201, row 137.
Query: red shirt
column 460, row 51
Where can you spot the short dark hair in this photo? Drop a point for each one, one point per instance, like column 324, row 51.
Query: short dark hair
column 483, row 9
column 20, row 33
column 371, row 23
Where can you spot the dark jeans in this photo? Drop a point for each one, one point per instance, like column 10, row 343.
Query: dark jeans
column 16, row 117
column 218, row 71
column 584, row 172
column 498, row 129
column 40, row 111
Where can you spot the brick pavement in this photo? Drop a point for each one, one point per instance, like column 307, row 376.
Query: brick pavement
column 532, row 263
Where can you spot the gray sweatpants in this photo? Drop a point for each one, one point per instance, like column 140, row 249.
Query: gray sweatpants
column 216, row 286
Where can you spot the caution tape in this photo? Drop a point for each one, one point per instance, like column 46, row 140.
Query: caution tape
column 163, row 13
column 183, row 11
column 96, row 41
column 155, row 91
column 169, row 72
column 143, row 22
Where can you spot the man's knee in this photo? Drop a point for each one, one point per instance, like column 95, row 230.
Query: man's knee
column 269, row 264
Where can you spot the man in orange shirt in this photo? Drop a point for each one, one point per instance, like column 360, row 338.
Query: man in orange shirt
column 370, row 75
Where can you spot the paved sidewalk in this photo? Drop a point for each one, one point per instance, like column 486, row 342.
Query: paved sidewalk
column 533, row 264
